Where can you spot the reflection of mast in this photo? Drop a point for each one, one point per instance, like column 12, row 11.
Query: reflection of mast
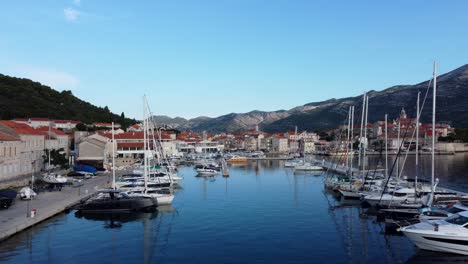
column 145, row 242
column 295, row 191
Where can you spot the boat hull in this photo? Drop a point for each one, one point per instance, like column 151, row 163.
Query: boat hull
column 116, row 205
column 439, row 243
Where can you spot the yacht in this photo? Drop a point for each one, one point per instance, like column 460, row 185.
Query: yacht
column 114, row 201
column 449, row 235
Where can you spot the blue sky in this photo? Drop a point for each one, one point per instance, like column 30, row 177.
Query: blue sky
column 213, row 57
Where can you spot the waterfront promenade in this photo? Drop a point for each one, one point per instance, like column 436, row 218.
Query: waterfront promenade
column 46, row 204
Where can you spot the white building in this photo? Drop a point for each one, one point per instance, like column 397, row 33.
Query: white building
column 56, row 123
column 10, row 156
column 33, row 143
column 280, row 144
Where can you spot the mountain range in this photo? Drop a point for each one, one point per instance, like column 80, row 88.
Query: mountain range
column 452, row 108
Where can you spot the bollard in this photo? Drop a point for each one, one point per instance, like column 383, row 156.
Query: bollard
column 33, row 213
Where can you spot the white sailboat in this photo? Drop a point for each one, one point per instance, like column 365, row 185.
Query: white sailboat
column 145, row 191
column 450, row 235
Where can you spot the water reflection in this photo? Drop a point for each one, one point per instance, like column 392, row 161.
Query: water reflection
column 247, row 217
column 117, row 219
column 423, row 257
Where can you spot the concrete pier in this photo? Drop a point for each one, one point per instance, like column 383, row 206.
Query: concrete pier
column 46, row 204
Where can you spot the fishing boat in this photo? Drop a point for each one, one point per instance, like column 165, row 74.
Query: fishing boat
column 449, row 235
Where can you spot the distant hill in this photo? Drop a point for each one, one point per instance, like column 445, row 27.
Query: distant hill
column 23, row 98
column 452, row 107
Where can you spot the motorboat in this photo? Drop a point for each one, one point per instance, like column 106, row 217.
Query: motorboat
column 26, row 193
column 53, row 178
column 434, row 213
column 207, row 172
column 449, row 235
column 115, row 201
column 397, row 197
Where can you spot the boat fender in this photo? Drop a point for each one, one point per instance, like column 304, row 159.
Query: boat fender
column 436, row 227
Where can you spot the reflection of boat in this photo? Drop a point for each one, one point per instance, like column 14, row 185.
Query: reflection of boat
column 166, row 209
column 449, row 235
column 114, row 201
column 424, row 257
column 53, row 178
column 116, row 219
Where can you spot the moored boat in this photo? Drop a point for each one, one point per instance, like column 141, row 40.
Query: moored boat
column 115, row 201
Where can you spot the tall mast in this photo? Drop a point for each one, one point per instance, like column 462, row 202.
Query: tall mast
column 398, row 152
column 48, row 168
column 145, row 158
column 351, row 138
column 433, row 133
column 362, row 124
column 417, row 137
column 113, row 157
column 386, row 146
column 365, row 133
column 348, row 137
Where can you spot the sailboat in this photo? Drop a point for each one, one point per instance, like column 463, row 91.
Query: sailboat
column 450, row 235
column 114, row 200
column 52, row 178
column 146, row 191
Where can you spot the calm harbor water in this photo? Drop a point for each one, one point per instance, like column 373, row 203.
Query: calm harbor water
column 262, row 213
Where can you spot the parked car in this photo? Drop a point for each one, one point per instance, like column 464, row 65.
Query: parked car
column 7, row 198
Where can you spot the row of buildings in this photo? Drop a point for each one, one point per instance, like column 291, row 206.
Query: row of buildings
column 23, row 147
column 97, row 147
column 24, row 142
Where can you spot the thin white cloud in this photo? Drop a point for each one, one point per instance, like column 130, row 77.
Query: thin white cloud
column 57, row 80
column 71, row 14
column 77, row 2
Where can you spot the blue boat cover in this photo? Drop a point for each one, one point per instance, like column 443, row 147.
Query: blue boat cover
column 85, row 168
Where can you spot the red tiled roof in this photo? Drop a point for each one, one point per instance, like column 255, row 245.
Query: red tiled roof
column 52, row 129
column 21, row 128
column 7, row 137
